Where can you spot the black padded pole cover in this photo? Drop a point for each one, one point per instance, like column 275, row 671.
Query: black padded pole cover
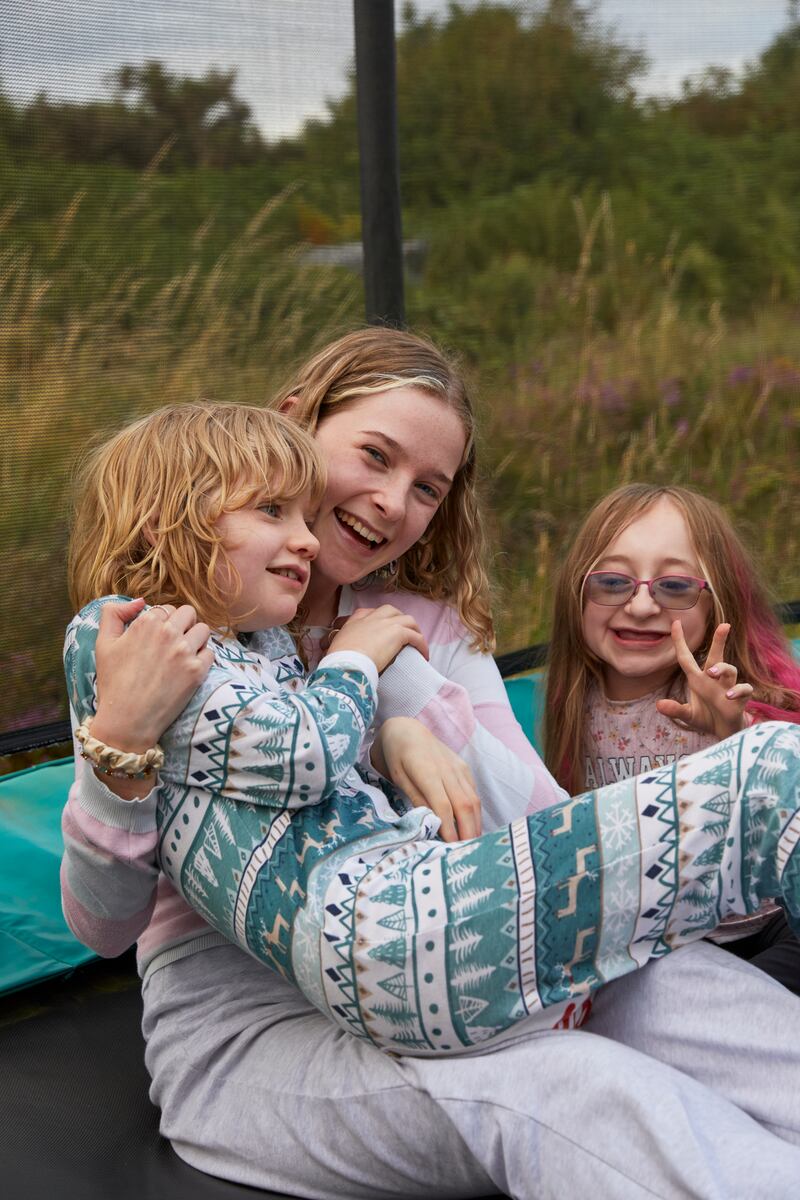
column 381, row 217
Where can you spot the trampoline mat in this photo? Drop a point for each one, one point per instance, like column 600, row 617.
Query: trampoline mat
column 76, row 1119
column 77, row 1122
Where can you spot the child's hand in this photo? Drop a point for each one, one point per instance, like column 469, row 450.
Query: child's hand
column 146, row 671
column 430, row 774
column 715, row 702
column 380, row 633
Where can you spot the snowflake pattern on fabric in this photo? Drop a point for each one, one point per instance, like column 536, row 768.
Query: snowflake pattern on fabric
column 624, row 738
column 424, row 948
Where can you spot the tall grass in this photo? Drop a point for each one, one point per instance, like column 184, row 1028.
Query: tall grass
column 588, row 377
column 71, row 373
column 637, row 384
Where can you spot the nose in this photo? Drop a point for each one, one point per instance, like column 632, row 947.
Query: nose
column 391, row 498
column 641, row 603
column 303, row 541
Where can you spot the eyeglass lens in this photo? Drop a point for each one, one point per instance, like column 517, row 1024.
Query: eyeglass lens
column 668, row 591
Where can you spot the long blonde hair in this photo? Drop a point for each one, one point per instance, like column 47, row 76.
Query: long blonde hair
column 448, row 562
column 149, row 498
column 755, row 645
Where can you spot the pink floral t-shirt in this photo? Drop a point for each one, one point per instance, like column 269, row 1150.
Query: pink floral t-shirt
column 628, row 737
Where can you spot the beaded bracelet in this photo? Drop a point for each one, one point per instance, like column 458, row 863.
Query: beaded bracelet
column 118, row 763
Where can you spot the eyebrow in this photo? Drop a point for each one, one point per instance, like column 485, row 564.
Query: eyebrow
column 393, row 445
column 665, row 562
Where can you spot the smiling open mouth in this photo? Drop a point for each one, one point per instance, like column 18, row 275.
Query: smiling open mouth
column 367, row 537
column 288, row 573
column 644, row 637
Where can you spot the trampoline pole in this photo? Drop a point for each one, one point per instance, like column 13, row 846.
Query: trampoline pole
column 381, row 215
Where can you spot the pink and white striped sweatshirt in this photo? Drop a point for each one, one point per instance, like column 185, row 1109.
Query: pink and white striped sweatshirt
column 112, row 892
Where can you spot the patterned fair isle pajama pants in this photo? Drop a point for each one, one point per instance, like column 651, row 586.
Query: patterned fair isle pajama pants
column 426, row 949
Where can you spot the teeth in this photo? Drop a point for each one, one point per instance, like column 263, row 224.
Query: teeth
column 288, row 572
column 355, row 524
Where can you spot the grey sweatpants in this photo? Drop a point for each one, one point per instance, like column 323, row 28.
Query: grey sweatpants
column 684, row 1083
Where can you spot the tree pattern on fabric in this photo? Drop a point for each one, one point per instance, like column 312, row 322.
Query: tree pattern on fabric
column 269, row 831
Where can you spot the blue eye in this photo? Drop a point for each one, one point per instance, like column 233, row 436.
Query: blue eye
column 375, row 454
column 270, row 510
column 429, row 491
column 613, row 583
column 674, row 585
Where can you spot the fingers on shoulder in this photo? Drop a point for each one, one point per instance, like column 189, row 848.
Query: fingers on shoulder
column 197, row 637
column 183, row 618
column 118, row 612
column 190, row 651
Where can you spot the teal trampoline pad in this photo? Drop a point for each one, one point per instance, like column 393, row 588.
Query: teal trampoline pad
column 35, row 942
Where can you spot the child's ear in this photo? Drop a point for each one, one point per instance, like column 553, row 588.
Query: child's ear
column 288, row 404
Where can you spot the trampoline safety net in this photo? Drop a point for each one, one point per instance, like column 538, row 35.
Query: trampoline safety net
column 599, row 216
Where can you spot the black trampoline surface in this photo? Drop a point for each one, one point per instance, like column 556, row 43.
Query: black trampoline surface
column 76, row 1122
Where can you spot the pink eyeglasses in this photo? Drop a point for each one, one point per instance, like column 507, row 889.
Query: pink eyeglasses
column 669, row 591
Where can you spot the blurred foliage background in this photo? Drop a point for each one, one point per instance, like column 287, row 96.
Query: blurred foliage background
column 620, row 276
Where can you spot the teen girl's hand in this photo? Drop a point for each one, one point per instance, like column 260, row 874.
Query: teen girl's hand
column 715, row 701
column 430, row 774
column 146, row 671
column 380, row 633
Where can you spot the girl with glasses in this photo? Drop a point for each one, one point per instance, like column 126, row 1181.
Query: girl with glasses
column 656, row 583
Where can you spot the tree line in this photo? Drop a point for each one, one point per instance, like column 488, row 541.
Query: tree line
column 515, row 124
column 151, row 114
column 488, row 97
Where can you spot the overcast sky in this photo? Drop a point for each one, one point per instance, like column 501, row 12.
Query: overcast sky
column 292, row 54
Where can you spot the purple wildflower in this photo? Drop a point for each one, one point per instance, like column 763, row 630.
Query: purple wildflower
column 611, row 399
column 671, row 392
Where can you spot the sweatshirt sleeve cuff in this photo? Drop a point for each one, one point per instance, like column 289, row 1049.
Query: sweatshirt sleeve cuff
column 98, row 801
column 407, row 685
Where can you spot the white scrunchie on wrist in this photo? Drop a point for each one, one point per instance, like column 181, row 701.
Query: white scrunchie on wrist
column 120, row 763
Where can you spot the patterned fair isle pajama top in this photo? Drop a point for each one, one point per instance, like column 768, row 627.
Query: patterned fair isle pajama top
column 272, row 835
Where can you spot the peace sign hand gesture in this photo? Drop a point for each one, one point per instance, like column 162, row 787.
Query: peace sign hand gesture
column 715, row 702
